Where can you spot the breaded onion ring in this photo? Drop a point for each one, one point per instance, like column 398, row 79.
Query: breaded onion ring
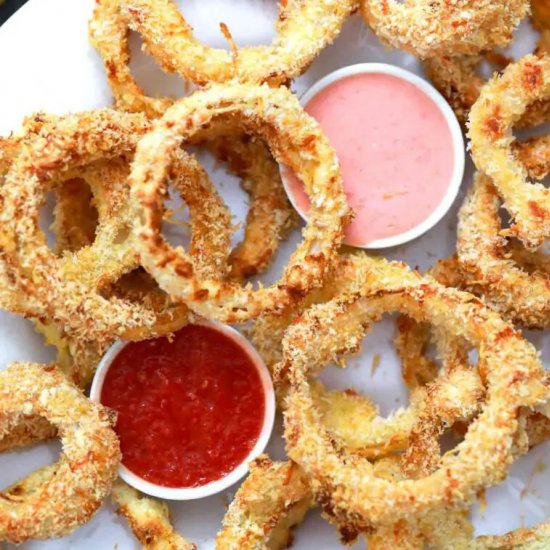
column 74, row 488
column 149, row 519
column 108, row 33
column 490, row 269
column 346, row 483
column 296, row 140
column 351, row 416
column 438, row 27
column 272, row 500
column 458, row 78
column 270, row 215
column 458, row 81
column 69, row 286
column 501, row 103
column 303, row 28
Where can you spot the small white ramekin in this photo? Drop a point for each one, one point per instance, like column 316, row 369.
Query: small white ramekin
column 456, row 136
column 191, row 493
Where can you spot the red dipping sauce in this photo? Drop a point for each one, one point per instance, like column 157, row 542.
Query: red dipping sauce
column 190, row 410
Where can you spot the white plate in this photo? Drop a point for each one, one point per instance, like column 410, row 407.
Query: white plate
column 47, row 64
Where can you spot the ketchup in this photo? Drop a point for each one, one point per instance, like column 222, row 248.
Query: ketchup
column 190, row 408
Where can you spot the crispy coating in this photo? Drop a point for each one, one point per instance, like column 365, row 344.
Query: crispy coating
column 411, row 342
column 69, row 286
column 444, row 27
column 513, row 376
column 75, row 216
column 29, row 430
column 304, row 28
column 149, row 519
column 295, row 139
column 536, row 538
column 67, row 494
column 272, row 500
column 441, row 529
column 492, row 118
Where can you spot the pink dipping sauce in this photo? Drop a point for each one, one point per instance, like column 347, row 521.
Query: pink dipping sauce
column 396, row 151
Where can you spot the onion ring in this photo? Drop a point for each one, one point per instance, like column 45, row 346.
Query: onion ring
column 457, row 78
column 480, row 460
column 149, row 519
column 303, row 29
column 270, row 215
column 487, row 266
column 426, row 28
column 108, row 33
column 272, row 500
column 297, row 141
column 75, row 487
column 68, row 286
column 348, row 415
column 501, row 103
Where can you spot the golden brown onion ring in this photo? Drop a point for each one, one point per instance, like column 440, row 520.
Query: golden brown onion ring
column 69, row 285
column 347, row 482
column 74, row 488
column 296, row 140
column 272, row 500
column 458, row 78
column 303, row 29
column 149, row 519
column 352, row 416
column 108, row 33
column 458, row 81
column 487, row 265
column 438, row 27
column 501, row 104
column 270, row 215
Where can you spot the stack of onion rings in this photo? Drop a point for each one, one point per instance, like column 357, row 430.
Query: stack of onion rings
column 72, row 299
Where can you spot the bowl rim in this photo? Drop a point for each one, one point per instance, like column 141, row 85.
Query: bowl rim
column 192, row 493
column 457, row 139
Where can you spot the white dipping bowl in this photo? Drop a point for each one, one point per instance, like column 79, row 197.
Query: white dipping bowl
column 191, row 493
column 456, row 137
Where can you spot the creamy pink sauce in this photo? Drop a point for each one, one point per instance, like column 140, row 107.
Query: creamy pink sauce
column 395, row 148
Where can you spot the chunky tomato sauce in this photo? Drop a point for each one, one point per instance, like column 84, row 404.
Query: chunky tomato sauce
column 189, row 410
